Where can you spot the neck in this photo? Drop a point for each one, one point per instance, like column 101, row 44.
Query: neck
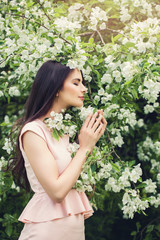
column 56, row 108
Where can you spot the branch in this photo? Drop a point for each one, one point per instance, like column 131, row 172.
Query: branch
column 101, row 37
column 113, row 147
column 18, row 15
column 86, row 34
column 141, row 232
column 43, row 9
column 5, row 58
column 90, row 33
column 90, row 93
column 112, row 30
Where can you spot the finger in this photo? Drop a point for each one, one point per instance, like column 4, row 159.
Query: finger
column 100, row 112
column 90, row 125
column 85, row 124
column 104, row 121
column 96, row 124
column 103, row 129
column 99, row 128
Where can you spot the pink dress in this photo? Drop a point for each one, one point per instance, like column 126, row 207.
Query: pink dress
column 44, row 218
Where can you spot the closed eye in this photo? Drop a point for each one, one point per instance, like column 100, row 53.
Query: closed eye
column 75, row 84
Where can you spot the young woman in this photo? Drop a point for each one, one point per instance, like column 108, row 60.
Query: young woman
column 56, row 210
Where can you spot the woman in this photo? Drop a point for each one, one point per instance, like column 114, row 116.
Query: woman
column 56, row 211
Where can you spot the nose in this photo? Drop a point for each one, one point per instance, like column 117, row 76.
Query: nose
column 84, row 89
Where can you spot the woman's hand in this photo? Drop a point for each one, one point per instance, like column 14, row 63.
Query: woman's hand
column 91, row 131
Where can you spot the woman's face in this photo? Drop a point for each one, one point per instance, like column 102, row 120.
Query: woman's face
column 72, row 93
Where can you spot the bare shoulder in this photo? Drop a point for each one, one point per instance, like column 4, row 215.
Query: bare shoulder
column 32, row 140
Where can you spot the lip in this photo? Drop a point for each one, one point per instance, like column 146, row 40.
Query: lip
column 82, row 98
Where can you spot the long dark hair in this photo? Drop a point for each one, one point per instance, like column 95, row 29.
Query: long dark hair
column 48, row 82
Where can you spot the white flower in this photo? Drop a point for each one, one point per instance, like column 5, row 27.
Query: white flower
column 67, row 116
column 3, row 163
column 134, row 176
column 101, row 92
column 156, row 104
column 151, row 186
column 140, row 122
column 7, row 146
column 6, row 119
column 73, row 147
column 148, row 109
column 102, row 26
column 107, row 78
column 1, row 94
column 58, row 117
column 85, row 112
column 52, row 114
column 116, row 74
column 109, row 59
column 158, row 177
column 14, row 91
column 126, row 198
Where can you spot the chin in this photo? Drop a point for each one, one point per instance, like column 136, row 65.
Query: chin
column 78, row 105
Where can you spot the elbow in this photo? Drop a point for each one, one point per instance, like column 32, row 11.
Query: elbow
column 58, row 198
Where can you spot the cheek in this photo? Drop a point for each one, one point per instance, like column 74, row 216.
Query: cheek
column 70, row 90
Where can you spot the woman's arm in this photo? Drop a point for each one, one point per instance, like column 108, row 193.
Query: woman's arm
column 45, row 167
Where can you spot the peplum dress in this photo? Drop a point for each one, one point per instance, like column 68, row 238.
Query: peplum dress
column 43, row 218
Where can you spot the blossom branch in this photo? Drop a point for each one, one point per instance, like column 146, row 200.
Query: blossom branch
column 59, row 35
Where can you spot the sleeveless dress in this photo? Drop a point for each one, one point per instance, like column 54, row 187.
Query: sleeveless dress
column 43, row 218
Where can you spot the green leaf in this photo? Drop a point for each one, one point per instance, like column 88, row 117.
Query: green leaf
column 89, row 173
column 115, row 167
column 134, row 93
column 134, row 233
column 9, row 229
column 131, row 163
column 61, row 133
column 138, row 225
column 130, row 57
column 142, row 185
column 29, row 4
column 93, row 167
column 129, row 44
column 91, row 40
column 150, row 228
column 55, row 134
column 117, row 37
column 128, row 82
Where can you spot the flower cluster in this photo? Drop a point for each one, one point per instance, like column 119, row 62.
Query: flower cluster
column 60, row 125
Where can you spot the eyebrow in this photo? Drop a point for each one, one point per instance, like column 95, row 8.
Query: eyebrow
column 77, row 79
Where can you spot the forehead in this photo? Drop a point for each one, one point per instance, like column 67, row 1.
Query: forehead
column 74, row 74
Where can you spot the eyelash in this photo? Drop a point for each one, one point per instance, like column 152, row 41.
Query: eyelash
column 75, row 84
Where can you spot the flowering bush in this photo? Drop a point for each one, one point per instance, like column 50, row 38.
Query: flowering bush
column 117, row 46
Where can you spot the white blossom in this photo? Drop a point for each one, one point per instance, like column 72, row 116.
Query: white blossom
column 7, row 146
column 14, row 91
column 1, row 94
